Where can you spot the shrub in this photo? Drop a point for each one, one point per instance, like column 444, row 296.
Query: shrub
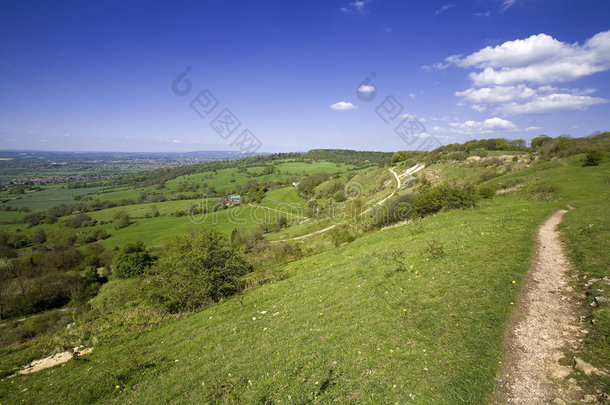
column 486, row 191
column 39, row 237
column 131, row 260
column 488, row 175
column 197, row 270
column 400, row 259
column 543, row 192
column 247, row 240
column 593, row 158
column 153, row 213
column 80, row 220
column 282, row 222
column 396, row 209
column 434, row 249
column 90, row 275
column 443, row 197
column 121, row 219
column 341, row 234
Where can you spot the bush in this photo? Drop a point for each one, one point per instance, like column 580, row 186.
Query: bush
column 90, row 275
column 488, row 175
column 341, row 234
column 593, row 158
column 80, row 220
column 396, row 209
column 443, row 197
column 131, row 260
column 434, row 249
column 486, row 191
column 544, row 192
column 399, row 258
column 121, row 219
column 246, row 240
column 197, row 270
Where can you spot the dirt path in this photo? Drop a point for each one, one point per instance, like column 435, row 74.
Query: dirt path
column 393, row 191
column 545, row 323
column 409, row 171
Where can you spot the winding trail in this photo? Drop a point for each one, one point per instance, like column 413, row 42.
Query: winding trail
column 409, row 171
column 545, row 322
column 393, row 192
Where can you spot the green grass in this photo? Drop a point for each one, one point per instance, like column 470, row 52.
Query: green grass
column 11, row 216
column 345, row 325
column 120, row 193
column 47, row 198
column 286, row 195
column 341, row 330
column 155, row 231
column 226, row 180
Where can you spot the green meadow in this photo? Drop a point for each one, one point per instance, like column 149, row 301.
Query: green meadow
column 344, row 324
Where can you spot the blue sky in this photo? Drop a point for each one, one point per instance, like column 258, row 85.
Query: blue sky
column 87, row 76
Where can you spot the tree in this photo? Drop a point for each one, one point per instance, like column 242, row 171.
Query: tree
column 90, row 275
column 131, row 260
column 540, row 140
column 121, row 219
column 198, row 270
column 517, row 144
column 563, row 143
column 401, row 156
column 39, row 237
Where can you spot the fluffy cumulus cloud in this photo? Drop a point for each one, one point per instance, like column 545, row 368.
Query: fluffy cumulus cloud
column 488, row 126
column 521, row 99
column 366, row 88
column 343, row 106
column 537, row 59
column 506, row 76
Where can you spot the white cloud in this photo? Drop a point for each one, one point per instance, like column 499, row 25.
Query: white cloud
column 497, row 94
column 505, row 76
column 358, row 5
column 412, row 95
column 537, row 59
column 521, row 99
column 343, row 106
column 488, row 126
column 551, row 103
column 532, row 128
column 506, row 4
column 444, row 8
column 366, row 88
column 439, row 66
column 355, row 6
column 485, row 14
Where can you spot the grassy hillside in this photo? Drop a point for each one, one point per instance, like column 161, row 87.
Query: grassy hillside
column 347, row 324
